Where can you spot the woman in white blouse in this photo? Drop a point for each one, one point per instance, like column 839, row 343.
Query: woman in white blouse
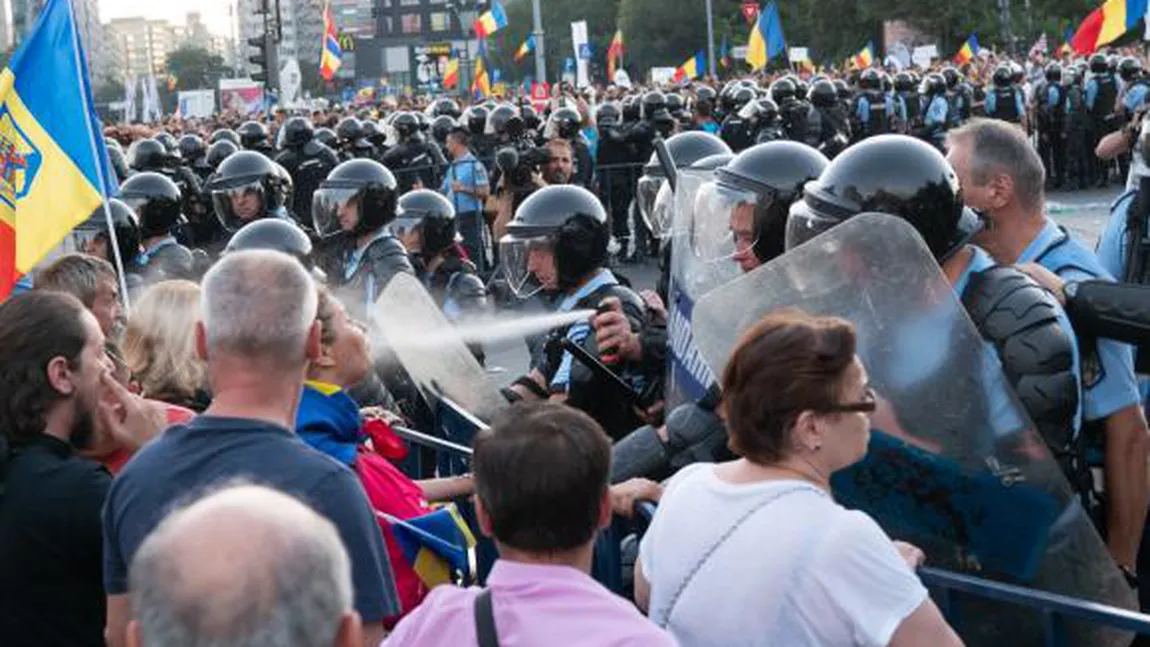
column 755, row 551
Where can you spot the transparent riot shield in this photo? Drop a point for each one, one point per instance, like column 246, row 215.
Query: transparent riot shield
column 436, row 358
column 700, row 261
column 954, row 465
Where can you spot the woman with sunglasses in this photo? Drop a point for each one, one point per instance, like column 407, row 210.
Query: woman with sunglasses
column 756, row 551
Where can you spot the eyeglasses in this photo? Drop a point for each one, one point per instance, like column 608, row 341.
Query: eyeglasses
column 866, row 406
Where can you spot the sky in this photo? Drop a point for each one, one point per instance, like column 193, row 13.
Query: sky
column 214, row 12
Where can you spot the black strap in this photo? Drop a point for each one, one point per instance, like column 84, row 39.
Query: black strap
column 485, row 620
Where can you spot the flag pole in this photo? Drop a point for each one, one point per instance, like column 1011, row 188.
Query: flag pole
column 112, row 242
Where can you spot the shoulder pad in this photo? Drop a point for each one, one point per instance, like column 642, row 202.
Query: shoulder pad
column 1020, row 318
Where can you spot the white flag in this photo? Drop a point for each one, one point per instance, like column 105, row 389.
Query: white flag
column 130, row 100
column 582, row 52
column 155, row 110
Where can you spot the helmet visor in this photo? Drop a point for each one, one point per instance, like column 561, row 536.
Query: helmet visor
column 724, row 224
column 238, row 204
column 528, row 263
column 660, row 217
column 804, row 224
column 646, row 191
column 90, row 237
column 335, row 209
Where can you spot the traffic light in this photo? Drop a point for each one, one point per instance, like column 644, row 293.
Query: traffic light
column 260, row 59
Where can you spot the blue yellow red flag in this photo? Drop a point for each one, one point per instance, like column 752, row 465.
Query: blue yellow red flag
column 331, row 54
column 968, row 51
column 690, row 69
column 54, row 172
column 865, row 57
column 492, row 21
column 435, row 544
column 451, row 74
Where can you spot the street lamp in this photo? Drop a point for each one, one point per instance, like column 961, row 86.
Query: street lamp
column 537, row 30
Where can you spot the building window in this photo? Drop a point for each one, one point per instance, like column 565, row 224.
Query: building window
column 410, row 3
column 412, row 23
column 439, row 21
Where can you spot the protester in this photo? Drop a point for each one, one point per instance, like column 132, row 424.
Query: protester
column 160, row 345
column 91, row 280
column 561, row 166
column 243, row 566
column 258, row 333
column 541, row 482
column 804, row 570
column 55, row 388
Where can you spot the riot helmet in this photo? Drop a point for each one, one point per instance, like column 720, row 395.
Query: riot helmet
column 531, row 120
column 441, row 127
column 475, row 119
column 406, row 125
column 220, row 151
column 565, row 223
column 91, row 236
column 760, row 110
column 892, row 174
column 933, row 84
column 247, row 187
column 276, row 234
column 222, row 134
column 1002, row 76
column 903, row 82
column 823, row 94
column 147, row 155
column 119, row 164
column 685, row 148
column 358, row 196
column 253, row 135
column 750, row 198
column 653, row 106
column 429, row 215
column 327, row 137
column 156, row 201
column 1099, row 64
column 1053, row 73
column 869, row 79
column 445, row 107
column 170, row 143
column 608, row 115
column 1129, row 68
column 348, row 130
column 503, row 121
column 192, row 148
column 842, row 89
column 951, row 76
column 783, row 90
column 564, row 123
column 743, row 96
column 705, row 94
column 296, row 132
column 631, row 109
column 373, row 133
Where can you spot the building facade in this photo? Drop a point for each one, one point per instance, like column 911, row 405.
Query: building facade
column 19, row 16
column 301, row 27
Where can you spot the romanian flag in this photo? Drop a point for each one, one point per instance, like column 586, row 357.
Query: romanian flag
column 451, row 74
column 54, row 169
column 1066, row 47
column 435, row 544
column 491, row 22
column 481, row 85
column 691, row 68
column 725, row 53
column 968, row 51
column 526, row 48
column 614, row 55
column 331, row 53
column 767, row 40
column 864, row 58
column 1107, row 24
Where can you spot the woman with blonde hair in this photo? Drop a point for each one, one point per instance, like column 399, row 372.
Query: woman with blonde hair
column 160, row 345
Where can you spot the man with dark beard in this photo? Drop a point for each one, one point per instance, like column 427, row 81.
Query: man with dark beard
column 55, row 378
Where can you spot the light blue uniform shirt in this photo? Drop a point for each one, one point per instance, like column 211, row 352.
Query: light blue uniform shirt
column 578, row 331
column 470, row 173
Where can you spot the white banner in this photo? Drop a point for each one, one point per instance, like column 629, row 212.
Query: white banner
column 290, row 84
column 197, row 103
column 899, row 52
column 130, row 100
column 582, row 52
column 798, row 54
column 923, row 55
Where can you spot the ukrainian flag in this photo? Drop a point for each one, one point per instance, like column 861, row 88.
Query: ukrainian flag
column 54, row 171
column 435, row 544
column 767, row 40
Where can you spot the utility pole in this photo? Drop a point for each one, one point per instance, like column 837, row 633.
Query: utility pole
column 540, row 46
column 710, row 41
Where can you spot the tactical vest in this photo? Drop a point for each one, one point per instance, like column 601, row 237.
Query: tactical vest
column 1005, row 107
column 879, row 122
column 1106, row 97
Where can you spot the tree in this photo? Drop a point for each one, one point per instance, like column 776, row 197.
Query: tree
column 108, row 91
column 195, row 68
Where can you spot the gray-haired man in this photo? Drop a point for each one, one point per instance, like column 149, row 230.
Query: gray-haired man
column 258, row 333
column 246, row 566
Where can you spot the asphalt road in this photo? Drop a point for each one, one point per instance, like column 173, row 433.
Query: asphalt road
column 1084, row 213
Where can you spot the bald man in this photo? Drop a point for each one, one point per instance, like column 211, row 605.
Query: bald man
column 246, row 566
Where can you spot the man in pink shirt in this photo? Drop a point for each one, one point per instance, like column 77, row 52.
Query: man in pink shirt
column 541, row 477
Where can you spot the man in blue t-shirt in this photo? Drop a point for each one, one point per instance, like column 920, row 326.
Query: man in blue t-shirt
column 465, row 185
column 258, row 332
column 1002, row 176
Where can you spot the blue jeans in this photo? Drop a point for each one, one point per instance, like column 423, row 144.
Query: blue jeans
column 470, row 226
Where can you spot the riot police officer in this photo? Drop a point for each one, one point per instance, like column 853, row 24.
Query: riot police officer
column 413, row 159
column 254, row 137
column 1101, row 100
column 1004, row 101
column 194, row 153
column 873, row 110
column 306, row 160
column 903, row 177
column 441, row 126
column 156, row 201
column 277, row 235
column 119, row 163
column 830, row 127
column 475, row 121
column 1050, row 107
column 351, row 211
column 1079, row 158
column 765, row 123
column 352, row 143
column 327, row 137
column 426, row 227
column 737, row 130
column 937, row 113
column 794, row 111
column 558, row 242
column 615, row 179
column 224, row 134
column 92, row 236
column 248, row 186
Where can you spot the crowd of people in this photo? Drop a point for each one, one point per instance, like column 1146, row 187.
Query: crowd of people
column 198, row 441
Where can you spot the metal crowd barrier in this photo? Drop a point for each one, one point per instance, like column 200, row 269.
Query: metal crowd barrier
column 949, row 587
